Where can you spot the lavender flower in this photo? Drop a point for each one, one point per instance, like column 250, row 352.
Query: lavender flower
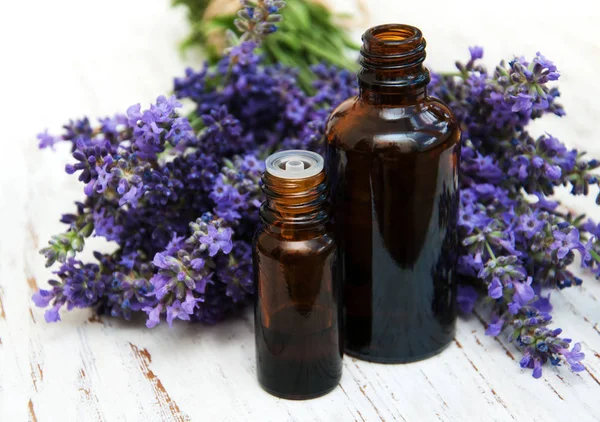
column 79, row 285
column 564, row 243
column 466, row 298
column 47, row 140
column 574, row 357
column 222, row 135
column 495, row 289
column 333, row 85
column 160, row 123
column 236, row 273
column 495, row 327
column 476, row 52
column 144, row 201
column 510, row 244
column 195, row 86
column 217, row 239
column 105, row 225
column 523, row 294
column 257, row 19
column 236, row 189
column 177, row 286
column 186, row 280
column 68, row 244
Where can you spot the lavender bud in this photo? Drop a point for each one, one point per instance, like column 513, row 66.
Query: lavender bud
column 527, row 339
column 77, row 244
column 541, row 346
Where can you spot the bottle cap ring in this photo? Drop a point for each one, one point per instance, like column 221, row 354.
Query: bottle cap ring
column 294, row 164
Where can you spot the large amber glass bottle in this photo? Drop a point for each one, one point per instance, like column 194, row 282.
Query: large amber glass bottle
column 392, row 158
column 298, row 317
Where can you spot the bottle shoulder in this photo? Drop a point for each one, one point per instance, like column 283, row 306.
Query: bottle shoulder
column 355, row 124
column 271, row 244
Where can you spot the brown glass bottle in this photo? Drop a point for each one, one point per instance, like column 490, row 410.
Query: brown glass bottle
column 392, row 158
column 299, row 345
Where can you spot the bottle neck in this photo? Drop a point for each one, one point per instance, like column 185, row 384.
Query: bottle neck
column 295, row 208
column 392, row 96
column 392, row 71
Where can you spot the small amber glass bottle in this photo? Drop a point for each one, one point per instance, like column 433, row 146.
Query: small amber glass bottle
column 297, row 310
column 392, row 158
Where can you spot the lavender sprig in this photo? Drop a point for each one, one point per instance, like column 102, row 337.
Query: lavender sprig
column 511, row 245
column 186, row 268
column 258, row 19
column 65, row 245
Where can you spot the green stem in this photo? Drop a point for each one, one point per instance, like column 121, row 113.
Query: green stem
column 595, row 255
column 489, row 249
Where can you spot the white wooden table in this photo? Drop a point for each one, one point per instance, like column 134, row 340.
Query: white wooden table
column 66, row 58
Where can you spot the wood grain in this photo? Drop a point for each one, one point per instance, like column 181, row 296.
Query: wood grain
column 2, row 313
column 32, row 417
column 88, row 368
column 169, row 409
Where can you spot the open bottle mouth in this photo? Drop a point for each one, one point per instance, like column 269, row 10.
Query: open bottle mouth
column 294, row 164
column 392, row 35
column 392, row 46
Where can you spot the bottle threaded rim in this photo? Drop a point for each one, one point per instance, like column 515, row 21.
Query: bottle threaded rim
column 392, row 50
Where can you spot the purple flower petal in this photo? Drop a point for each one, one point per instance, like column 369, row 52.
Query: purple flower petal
column 160, row 260
column 190, row 303
column 543, row 304
column 466, row 298
column 525, row 361
column 52, row 315
column 226, row 247
column 197, row 264
column 213, row 249
column 42, row 298
column 495, row 288
column 495, row 327
column 476, row 52
column 153, row 315
column 523, row 291
column 47, row 140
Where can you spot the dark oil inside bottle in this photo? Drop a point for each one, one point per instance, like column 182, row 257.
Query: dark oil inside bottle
column 393, row 158
column 303, row 361
column 399, row 293
column 298, row 312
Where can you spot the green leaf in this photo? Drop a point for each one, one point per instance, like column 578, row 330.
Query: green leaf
column 87, row 230
column 222, row 20
column 351, row 44
column 308, row 35
column 286, row 39
column 336, row 59
column 297, row 10
column 579, row 219
column 320, row 15
column 280, row 55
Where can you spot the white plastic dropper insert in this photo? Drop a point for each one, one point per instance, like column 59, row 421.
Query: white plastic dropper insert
column 294, row 164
